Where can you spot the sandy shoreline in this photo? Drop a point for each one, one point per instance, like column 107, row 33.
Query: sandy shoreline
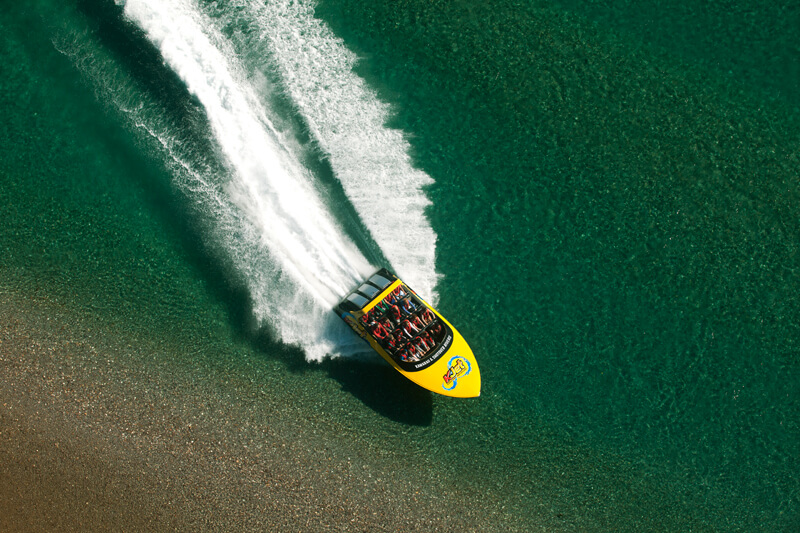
column 102, row 430
column 98, row 437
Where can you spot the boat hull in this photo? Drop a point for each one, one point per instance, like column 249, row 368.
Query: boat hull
column 411, row 336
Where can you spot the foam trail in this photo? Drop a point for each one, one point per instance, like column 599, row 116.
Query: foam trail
column 267, row 217
column 348, row 122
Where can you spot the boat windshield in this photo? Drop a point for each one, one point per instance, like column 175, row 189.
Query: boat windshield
column 357, row 299
column 368, row 290
column 379, row 281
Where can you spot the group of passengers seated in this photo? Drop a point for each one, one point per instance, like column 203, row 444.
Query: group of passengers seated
column 405, row 327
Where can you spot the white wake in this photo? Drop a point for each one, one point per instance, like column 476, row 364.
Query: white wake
column 263, row 213
column 349, row 123
column 294, row 257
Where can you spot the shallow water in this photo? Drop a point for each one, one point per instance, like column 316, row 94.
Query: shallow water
column 615, row 215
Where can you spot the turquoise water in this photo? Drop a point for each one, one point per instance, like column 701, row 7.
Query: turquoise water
column 612, row 209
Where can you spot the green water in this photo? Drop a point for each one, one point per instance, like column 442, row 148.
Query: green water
column 616, row 204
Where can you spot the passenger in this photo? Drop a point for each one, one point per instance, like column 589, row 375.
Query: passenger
column 413, row 353
column 426, row 336
column 409, row 328
column 418, row 323
column 394, row 314
column 365, row 319
column 407, row 307
column 390, row 343
column 420, row 345
column 400, row 292
column 381, row 307
column 403, row 354
column 427, row 316
column 400, row 338
column 379, row 332
column 391, row 299
column 437, row 331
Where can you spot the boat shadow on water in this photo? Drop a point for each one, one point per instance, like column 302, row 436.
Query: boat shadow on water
column 383, row 390
column 376, row 385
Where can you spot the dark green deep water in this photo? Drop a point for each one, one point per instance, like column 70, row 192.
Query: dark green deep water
column 616, row 201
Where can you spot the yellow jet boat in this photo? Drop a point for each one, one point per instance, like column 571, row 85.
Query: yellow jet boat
column 411, row 335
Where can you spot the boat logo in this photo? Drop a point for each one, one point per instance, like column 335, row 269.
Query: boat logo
column 457, row 367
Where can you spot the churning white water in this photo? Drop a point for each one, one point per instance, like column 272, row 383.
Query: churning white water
column 348, row 122
column 265, row 215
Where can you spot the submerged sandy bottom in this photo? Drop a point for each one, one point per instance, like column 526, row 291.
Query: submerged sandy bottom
column 98, row 434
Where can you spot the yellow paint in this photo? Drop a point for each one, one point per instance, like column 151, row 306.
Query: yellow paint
column 465, row 385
